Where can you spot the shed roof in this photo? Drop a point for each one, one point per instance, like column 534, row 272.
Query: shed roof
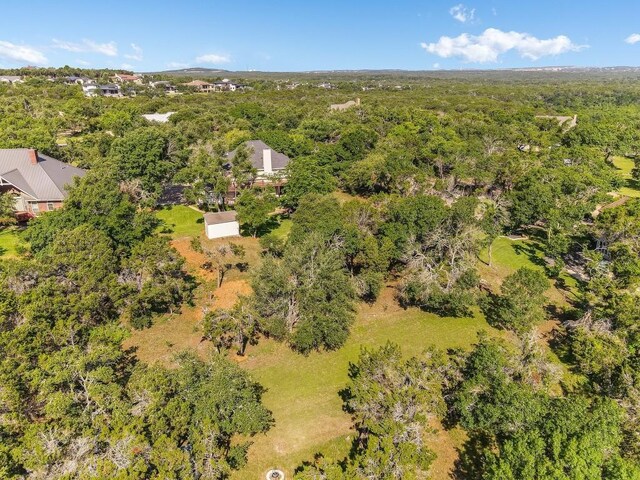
column 215, row 218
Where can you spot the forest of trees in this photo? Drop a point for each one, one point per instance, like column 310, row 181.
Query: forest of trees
column 405, row 190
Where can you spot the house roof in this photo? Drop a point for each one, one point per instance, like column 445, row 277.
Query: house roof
column 215, row 218
column 197, row 83
column 255, row 147
column 45, row 180
column 157, row 117
column 127, row 77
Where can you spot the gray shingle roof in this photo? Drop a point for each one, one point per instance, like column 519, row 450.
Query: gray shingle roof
column 45, row 180
column 278, row 160
column 214, row 218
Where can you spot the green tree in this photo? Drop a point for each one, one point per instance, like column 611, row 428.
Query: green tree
column 306, row 297
column 254, row 208
column 520, row 304
column 7, row 216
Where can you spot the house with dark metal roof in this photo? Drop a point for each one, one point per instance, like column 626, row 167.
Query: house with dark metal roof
column 270, row 167
column 38, row 182
column 263, row 158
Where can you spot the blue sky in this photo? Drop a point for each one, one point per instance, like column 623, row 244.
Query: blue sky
column 301, row 35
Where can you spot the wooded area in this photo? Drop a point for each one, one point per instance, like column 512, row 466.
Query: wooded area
column 443, row 263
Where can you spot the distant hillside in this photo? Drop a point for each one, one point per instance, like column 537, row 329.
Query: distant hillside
column 528, row 73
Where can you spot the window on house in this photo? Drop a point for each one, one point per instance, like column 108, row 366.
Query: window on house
column 35, row 208
column 50, row 206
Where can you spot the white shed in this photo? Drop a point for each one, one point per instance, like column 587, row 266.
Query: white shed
column 221, row 225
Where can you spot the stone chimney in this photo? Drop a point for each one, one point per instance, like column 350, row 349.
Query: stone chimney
column 266, row 161
column 33, row 156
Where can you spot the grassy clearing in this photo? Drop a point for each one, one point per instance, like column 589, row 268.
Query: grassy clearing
column 632, row 187
column 510, row 255
column 303, row 392
column 9, row 241
column 181, row 221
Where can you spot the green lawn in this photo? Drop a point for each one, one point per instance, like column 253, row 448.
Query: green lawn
column 9, row 240
column 632, row 187
column 282, row 230
column 303, row 392
column 509, row 255
column 181, row 221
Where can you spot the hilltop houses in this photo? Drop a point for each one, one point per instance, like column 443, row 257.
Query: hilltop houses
column 37, row 182
column 225, row 85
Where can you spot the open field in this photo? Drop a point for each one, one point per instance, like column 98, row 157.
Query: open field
column 9, row 240
column 632, row 187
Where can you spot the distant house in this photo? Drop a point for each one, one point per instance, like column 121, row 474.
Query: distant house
column 109, row 90
column 326, row 85
column 126, row 78
column 227, row 85
column 200, row 86
column 157, row 117
column 164, row 85
column 37, row 181
column 269, row 164
column 90, row 89
column 75, row 80
column 345, row 106
column 221, row 225
column 12, row 79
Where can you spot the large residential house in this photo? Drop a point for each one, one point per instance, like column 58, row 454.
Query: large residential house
column 126, row 78
column 200, row 86
column 37, row 181
column 269, row 164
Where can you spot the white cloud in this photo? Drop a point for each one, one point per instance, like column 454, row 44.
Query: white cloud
column 82, row 62
column 21, row 53
column 462, row 13
column 213, row 58
column 633, row 38
column 109, row 49
column 436, row 66
column 126, row 66
column 137, row 53
column 489, row 45
column 177, row 65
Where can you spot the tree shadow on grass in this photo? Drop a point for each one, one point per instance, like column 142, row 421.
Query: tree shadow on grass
column 468, row 466
column 532, row 250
